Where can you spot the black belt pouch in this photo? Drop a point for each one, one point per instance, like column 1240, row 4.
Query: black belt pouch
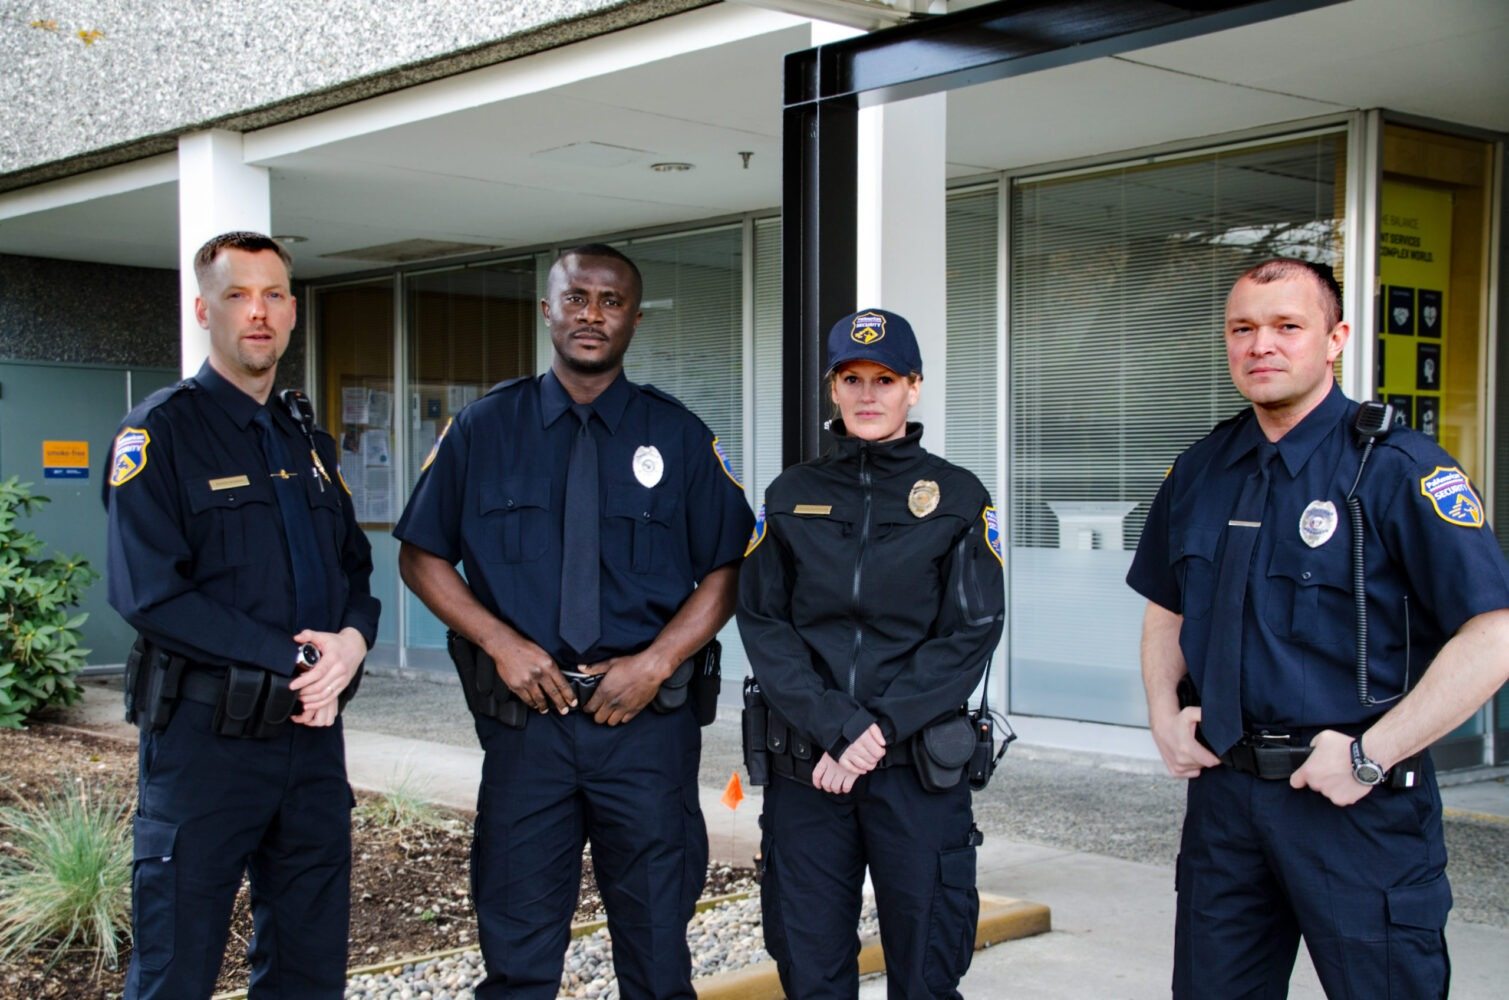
column 941, row 752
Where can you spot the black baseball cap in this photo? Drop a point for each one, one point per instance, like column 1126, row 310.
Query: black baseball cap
column 875, row 335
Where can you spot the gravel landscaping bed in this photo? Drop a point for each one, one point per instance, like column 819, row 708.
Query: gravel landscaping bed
column 723, row 938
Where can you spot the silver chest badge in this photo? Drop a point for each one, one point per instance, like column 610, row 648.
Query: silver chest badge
column 648, row 465
column 1318, row 523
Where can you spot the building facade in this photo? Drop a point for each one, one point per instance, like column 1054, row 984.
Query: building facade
column 1062, row 238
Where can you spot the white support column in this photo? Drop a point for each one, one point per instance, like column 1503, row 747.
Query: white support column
column 901, row 235
column 217, row 193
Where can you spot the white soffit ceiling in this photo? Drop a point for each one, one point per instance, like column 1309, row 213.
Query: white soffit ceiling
column 1443, row 59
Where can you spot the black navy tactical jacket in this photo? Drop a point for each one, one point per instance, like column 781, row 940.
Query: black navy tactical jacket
column 854, row 607
column 196, row 559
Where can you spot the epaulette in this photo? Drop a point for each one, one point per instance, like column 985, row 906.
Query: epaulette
column 508, row 383
column 662, row 394
column 153, row 401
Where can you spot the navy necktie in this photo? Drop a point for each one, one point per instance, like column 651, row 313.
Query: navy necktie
column 581, row 608
column 311, row 607
column 1221, row 691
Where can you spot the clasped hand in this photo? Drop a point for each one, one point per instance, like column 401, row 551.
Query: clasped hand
column 320, row 687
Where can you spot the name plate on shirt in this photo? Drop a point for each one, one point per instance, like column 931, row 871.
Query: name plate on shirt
column 814, row 508
column 229, row 482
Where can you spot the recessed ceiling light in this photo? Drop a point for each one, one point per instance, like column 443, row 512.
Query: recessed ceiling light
column 670, row 168
column 290, row 238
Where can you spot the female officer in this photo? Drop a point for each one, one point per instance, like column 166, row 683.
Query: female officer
column 869, row 606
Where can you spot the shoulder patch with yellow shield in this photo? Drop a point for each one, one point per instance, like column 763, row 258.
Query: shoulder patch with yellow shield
column 726, row 464
column 1450, row 493
column 992, row 519
column 129, row 456
column 758, row 534
column 434, row 450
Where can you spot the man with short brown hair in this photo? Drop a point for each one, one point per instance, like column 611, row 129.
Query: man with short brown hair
column 235, row 553
column 1313, row 810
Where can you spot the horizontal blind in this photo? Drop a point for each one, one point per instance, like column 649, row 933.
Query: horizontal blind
column 765, row 452
column 973, row 337
column 1119, row 281
column 690, row 341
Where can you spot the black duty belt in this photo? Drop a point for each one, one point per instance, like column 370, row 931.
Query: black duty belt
column 1275, row 756
column 203, row 685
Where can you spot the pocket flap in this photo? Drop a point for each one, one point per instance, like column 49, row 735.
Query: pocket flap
column 640, row 503
column 203, row 496
column 154, row 839
column 1424, row 905
column 1198, row 542
column 515, row 492
column 1328, row 566
column 956, row 868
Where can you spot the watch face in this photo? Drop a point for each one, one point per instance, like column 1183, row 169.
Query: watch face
column 1367, row 773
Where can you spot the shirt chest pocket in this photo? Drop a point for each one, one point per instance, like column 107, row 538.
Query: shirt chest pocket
column 241, row 520
column 1193, row 557
column 325, row 505
column 516, row 523
column 637, row 527
column 1310, row 592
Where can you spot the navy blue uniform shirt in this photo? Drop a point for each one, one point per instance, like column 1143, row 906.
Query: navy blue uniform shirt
column 196, row 559
column 1432, row 563
column 493, row 498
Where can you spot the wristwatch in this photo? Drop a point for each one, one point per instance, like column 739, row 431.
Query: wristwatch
column 1364, row 769
column 308, row 656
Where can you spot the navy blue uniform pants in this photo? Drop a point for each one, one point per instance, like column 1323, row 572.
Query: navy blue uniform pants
column 1261, row 865
column 549, row 788
column 916, row 844
column 211, row 809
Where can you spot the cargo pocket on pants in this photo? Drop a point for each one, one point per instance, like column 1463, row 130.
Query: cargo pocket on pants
column 1417, row 962
column 154, row 892
column 956, row 911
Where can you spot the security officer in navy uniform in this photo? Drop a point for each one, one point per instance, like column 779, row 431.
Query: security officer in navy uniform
column 601, row 530
column 1313, row 809
column 237, row 557
column 869, row 606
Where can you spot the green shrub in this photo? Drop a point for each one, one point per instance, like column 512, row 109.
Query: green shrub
column 39, row 641
column 66, row 876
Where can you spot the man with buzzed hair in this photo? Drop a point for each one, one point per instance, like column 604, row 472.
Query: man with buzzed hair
column 601, row 528
column 234, row 551
column 1313, row 809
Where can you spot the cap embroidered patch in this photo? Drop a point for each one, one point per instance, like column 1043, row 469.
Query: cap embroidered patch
column 130, row 455
column 868, row 328
column 758, row 534
column 993, row 533
column 1451, row 494
column 727, row 463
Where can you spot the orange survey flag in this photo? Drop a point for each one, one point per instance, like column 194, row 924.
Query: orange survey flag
column 733, row 792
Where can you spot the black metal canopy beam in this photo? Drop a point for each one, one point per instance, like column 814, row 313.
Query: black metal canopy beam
column 826, row 87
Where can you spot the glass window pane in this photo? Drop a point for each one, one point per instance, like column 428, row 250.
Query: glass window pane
column 468, row 329
column 1119, row 281
column 354, row 324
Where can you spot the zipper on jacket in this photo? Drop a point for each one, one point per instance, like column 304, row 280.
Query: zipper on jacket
column 864, row 538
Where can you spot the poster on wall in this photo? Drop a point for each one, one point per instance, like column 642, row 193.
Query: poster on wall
column 1414, row 265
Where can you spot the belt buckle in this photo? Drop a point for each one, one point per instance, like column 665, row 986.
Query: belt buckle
column 582, row 686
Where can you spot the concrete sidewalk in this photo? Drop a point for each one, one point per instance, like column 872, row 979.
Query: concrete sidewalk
column 1112, row 936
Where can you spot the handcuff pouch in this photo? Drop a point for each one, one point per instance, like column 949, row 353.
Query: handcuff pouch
column 942, row 751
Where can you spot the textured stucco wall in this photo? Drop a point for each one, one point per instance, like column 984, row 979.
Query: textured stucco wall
column 88, row 83
column 68, row 311
column 63, row 310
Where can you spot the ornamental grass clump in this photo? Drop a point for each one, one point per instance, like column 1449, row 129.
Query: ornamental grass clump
column 65, row 875
column 404, row 807
column 39, row 640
